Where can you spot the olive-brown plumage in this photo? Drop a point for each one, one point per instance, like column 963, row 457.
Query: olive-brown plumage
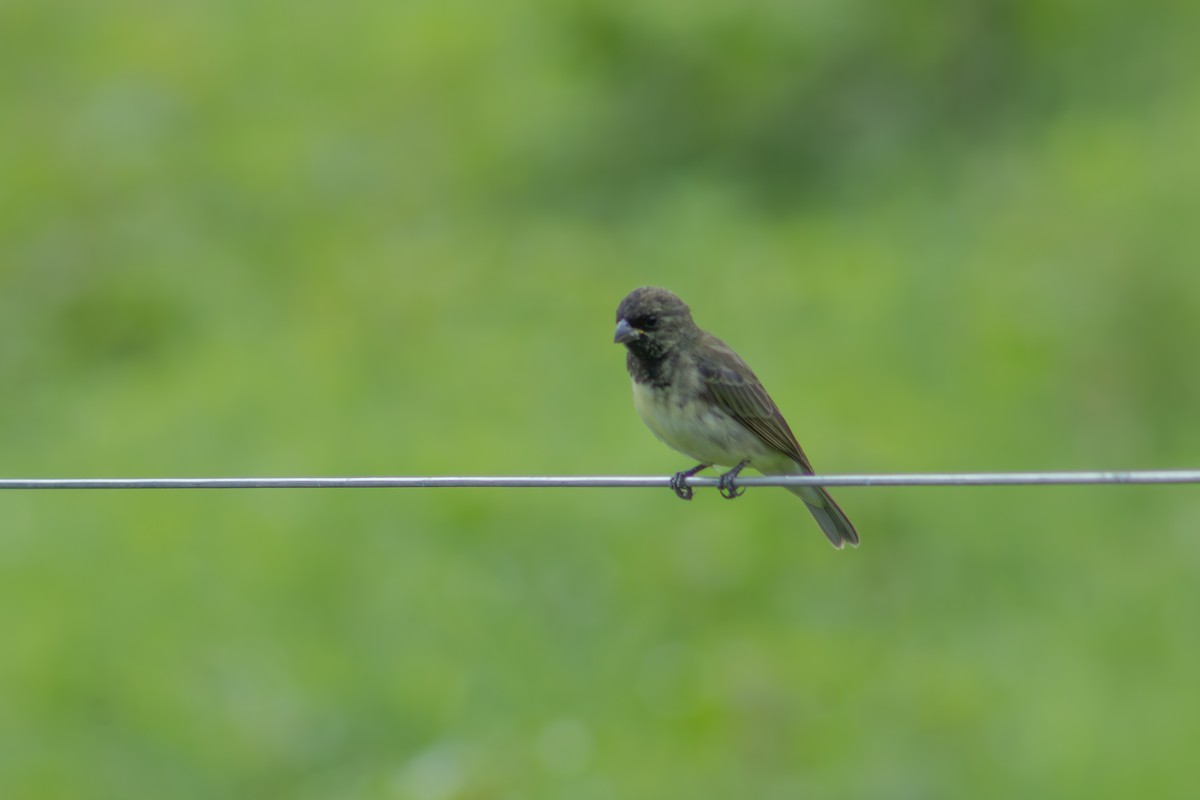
column 700, row 398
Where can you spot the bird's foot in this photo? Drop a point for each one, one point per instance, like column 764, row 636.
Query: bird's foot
column 726, row 485
column 679, row 482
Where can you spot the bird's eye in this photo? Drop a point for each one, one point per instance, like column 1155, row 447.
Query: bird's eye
column 650, row 321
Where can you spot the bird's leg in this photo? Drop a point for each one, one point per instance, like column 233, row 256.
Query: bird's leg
column 681, row 489
column 725, row 484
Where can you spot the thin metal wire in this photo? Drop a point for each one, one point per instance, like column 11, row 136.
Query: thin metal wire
column 1177, row 476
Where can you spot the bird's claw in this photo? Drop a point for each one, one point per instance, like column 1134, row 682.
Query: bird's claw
column 727, row 485
column 681, row 489
column 679, row 482
column 728, row 488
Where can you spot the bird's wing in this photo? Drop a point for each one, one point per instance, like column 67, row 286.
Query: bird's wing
column 735, row 389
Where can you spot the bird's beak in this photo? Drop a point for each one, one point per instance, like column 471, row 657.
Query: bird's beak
column 625, row 332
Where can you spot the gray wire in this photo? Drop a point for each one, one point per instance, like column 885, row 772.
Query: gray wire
column 619, row 481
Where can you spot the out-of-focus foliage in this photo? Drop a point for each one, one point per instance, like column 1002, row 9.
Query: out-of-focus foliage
column 388, row 238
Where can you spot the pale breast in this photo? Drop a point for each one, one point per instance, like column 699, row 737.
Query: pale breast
column 697, row 428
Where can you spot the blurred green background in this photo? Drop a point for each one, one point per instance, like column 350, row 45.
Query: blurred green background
column 388, row 238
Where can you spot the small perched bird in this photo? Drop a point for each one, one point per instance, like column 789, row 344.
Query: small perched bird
column 700, row 398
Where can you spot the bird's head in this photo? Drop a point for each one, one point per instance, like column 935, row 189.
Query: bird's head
column 652, row 321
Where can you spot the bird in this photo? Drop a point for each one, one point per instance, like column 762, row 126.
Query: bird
column 700, row 398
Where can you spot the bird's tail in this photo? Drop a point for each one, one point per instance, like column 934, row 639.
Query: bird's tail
column 829, row 515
